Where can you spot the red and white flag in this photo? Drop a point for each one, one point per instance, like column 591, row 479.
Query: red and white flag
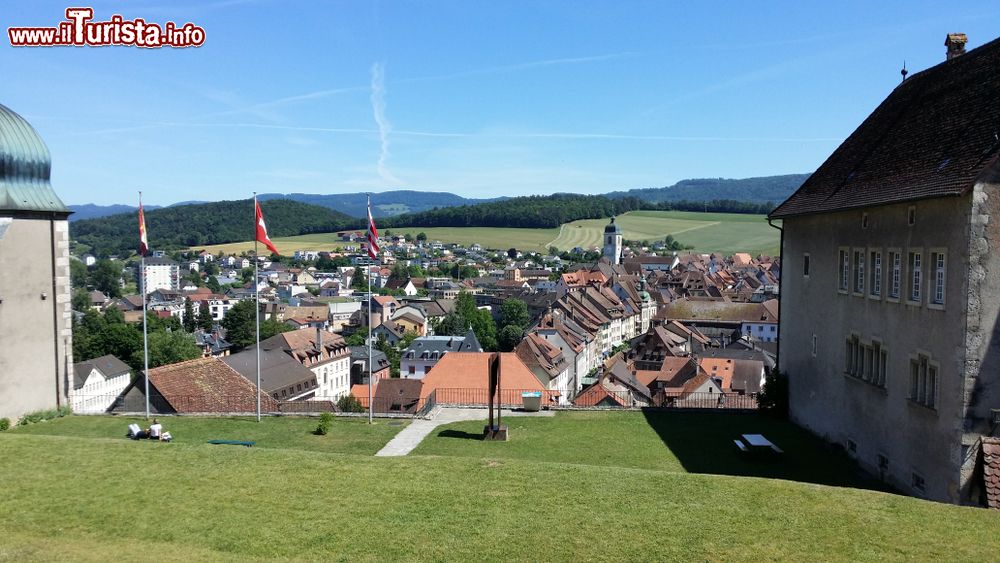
column 143, row 242
column 372, row 235
column 262, row 230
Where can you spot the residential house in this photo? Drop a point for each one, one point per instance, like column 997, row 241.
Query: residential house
column 97, row 383
column 463, row 378
column 549, row 365
column 325, row 354
column 425, row 352
column 200, row 386
column 359, row 365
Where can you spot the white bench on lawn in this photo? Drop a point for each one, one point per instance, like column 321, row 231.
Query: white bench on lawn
column 759, row 441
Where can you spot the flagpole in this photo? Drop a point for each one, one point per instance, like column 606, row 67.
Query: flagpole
column 369, row 276
column 256, row 292
column 145, row 332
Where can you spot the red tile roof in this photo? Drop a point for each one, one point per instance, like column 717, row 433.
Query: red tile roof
column 991, row 471
column 463, row 377
column 207, row 385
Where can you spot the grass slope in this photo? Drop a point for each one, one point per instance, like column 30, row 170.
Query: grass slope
column 347, row 435
column 79, row 498
column 707, row 232
column 690, row 442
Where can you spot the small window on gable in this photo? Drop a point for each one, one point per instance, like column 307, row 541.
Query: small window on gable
column 805, row 264
column 918, row 483
column 911, row 215
column 864, row 220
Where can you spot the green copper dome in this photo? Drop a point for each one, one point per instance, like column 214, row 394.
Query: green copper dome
column 25, row 166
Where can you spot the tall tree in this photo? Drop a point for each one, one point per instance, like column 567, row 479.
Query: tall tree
column 358, row 280
column 167, row 348
column 239, row 324
column 205, row 320
column 190, row 322
column 509, row 337
column 81, row 300
column 78, row 274
column 212, row 283
column 514, row 312
column 107, row 277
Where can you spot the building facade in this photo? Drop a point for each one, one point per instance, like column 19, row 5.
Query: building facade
column 36, row 356
column 162, row 273
column 891, row 286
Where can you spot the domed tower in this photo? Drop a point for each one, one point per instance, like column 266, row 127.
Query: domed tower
column 613, row 242
column 36, row 336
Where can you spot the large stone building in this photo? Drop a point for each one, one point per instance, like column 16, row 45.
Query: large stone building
column 891, row 284
column 36, row 333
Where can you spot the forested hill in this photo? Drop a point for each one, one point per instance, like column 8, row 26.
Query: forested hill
column 764, row 189
column 527, row 211
column 384, row 204
column 205, row 223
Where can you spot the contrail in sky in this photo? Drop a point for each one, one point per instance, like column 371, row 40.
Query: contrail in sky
column 378, row 108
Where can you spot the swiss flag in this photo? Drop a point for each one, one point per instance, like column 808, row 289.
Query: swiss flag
column 262, row 230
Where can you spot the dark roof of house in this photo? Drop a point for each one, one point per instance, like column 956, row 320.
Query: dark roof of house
column 932, row 137
column 396, row 394
column 434, row 347
column 361, row 353
column 109, row 366
column 278, row 369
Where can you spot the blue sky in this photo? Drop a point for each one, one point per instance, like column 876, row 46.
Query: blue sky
column 474, row 97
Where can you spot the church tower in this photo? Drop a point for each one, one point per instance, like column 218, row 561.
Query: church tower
column 36, row 329
column 613, row 242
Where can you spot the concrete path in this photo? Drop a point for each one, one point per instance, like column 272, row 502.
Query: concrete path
column 411, row 436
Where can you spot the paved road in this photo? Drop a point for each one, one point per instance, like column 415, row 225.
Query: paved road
column 411, row 436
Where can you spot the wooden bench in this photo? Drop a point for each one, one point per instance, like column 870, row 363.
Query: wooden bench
column 232, row 443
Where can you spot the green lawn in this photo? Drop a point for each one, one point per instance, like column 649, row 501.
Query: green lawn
column 707, row 232
column 114, row 499
column 688, row 442
column 347, row 436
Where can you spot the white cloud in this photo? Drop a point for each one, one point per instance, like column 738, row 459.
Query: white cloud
column 384, row 127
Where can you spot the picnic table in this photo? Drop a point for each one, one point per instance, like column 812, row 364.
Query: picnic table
column 756, row 442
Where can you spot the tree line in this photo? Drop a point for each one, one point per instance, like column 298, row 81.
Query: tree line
column 205, row 223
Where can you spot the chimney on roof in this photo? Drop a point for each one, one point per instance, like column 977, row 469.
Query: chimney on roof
column 955, row 42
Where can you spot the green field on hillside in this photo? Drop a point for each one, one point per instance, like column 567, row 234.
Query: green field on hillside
column 707, row 232
column 88, row 495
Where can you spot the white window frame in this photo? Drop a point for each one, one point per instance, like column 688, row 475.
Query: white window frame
column 858, row 258
column 875, row 289
column 939, row 271
column 895, row 274
column 915, row 276
column 844, row 269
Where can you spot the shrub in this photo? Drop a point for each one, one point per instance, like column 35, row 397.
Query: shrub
column 773, row 398
column 349, row 403
column 4, row 424
column 325, row 421
column 49, row 414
